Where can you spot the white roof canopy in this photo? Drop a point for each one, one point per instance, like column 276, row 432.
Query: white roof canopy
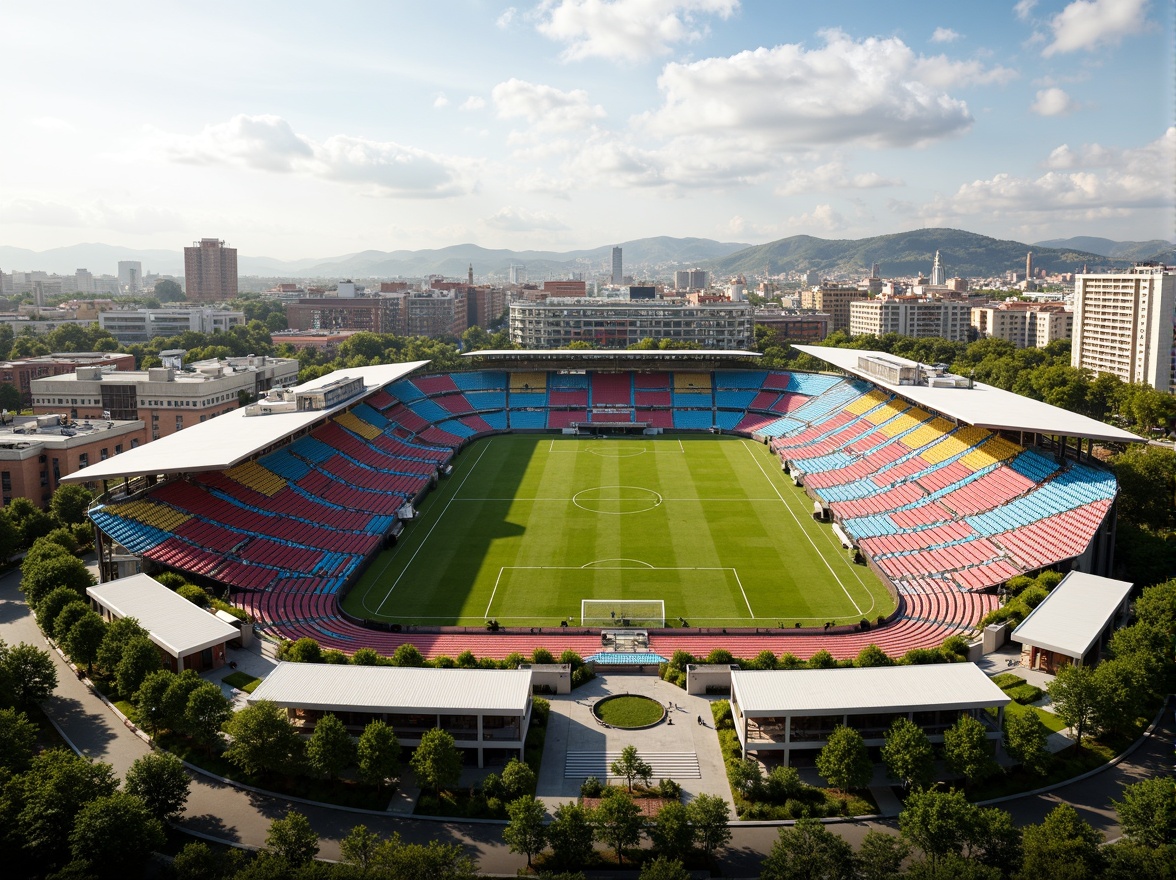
column 862, row 691
column 222, row 442
column 329, row 687
column 982, row 405
column 175, row 624
column 1073, row 615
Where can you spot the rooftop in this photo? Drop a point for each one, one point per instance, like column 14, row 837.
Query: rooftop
column 175, row 624
column 326, row 686
column 1073, row 615
column 981, row 405
column 222, row 442
column 865, row 690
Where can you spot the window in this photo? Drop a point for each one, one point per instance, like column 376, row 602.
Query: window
column 83, row 460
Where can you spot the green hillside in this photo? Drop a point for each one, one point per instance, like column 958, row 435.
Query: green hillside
column 906, row 253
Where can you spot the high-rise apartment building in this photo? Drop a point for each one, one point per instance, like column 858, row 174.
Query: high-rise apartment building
column 210, row 271
column 911, row 316
column 834, row 299
column 1025, row 325
column 1125, row 325
column 618, row 272
column 559, row 322
column 130, row 275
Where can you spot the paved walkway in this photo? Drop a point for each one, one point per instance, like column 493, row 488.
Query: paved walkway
column 243, row 817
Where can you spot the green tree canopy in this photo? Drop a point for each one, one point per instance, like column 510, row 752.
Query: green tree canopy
column 618, row 823
column 160, row 780
column 139, row 657
column 331, row 748
column 808, row 851
column 18, row 740
column 1061, row 846
column 27, row 674
column 967, row 749
column 435, row 761
column 1074, row 694
column 570, row 836
column 1025, row 739
column 844, row 761
column 1147, row 811
column 526, row 832
column 263, row 739
column 629, row 766
column 378, row 754
column 710, row 815
column 292, row 839
column 70, row 503
column 907, row 754
column 114, row 835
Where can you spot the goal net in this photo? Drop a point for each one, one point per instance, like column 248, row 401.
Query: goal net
column 648, row 613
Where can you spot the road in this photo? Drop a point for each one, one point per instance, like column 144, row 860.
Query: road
column 242, row 817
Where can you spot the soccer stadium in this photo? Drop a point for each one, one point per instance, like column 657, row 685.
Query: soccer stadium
column 654, row 500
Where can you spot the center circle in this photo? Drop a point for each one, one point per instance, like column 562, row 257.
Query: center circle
column 617, row 500
column 629, row 711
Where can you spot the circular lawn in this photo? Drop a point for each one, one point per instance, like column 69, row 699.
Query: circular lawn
column 629, row 711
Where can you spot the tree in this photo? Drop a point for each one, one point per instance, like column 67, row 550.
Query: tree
column 52, row 604
column 305, row 650
column 844, row 761
column 198, row 861
column 745, row 776
column 570, row 836
column 119, row 633
column 671, row 831
column 436, row 761
column 1061, row 846
column 331, row 748
column 967, row 750
column 907, row 754
column 66, row 617
column 396, row 860
column 378, row 754
column 1074, row 695
column 1026, row 740
column 663, row 868
column 359, row 848
column 40, row 576
column 263, row 739
column 808, row 851
column 70, row 503
column 150, row 700
column 139, row 657
column 365, row 657
column 52, row 792
column 618, row 823
column 880, row 856
column 872, row 655
column 292, row 839
column 407, row 655
column 629, row 766
column 18, row 741
column 205, row 714
column 29, row 673
column 1122, row 686
column 198, row 596
column 518, row 779
column 167, row 290
column 1148, row 811
column 115, row 834
column 175, row 698
column 161, row 782
column 85, row 638
column 939, row 822
column 526, row 833
column 1147, row 481
column 710, row 814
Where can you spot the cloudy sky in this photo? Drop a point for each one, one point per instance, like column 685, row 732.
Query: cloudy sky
column 297, row 129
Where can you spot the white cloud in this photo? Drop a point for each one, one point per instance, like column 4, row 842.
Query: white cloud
column 510, row 219
column 1084, row 24
column 833, row 175
column 473, row 102
column 627, row 30
column 1024, row 8
column 944, row 35
column 821, row 217
column 441, row 101
column 1102, row 182
column 131, row 219
column 269, row 143
column 53, row 124
column 544, row 107
column 503, row 21
column 1052, row 102
column 874, row 92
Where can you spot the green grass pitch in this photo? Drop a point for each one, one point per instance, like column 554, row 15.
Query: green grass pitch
column 528, row 525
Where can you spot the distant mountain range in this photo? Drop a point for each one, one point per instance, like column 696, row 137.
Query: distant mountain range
column 961, row 253
column 903, row 254
column 1157, row 249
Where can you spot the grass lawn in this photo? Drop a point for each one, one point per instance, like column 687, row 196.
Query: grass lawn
column 242, row 681
column 1049, row 719
column 527, row 526
column 629, row 711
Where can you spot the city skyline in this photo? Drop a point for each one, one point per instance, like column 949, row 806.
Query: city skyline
column 292, row 131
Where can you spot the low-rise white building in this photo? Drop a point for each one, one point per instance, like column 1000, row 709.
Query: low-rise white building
column 482, row 708
column 139, row 325
column 1073, row 623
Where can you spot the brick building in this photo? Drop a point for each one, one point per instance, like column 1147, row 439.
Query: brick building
column 19, row 373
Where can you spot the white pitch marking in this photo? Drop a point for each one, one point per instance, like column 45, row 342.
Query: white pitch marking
column 741, row 590
column 492, row 592
column 807, row 536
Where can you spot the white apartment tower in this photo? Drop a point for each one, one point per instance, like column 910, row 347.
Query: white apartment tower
column 618, row 274
column 1125, row 325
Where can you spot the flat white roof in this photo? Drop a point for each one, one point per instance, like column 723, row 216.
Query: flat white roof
column 227, row 439
column 1073, row 615
column 606, row 353
column 175, row 624
column 982, row 405
column 327, row 687
column 867, row 690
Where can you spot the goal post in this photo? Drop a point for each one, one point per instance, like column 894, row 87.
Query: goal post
column 639, row 613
